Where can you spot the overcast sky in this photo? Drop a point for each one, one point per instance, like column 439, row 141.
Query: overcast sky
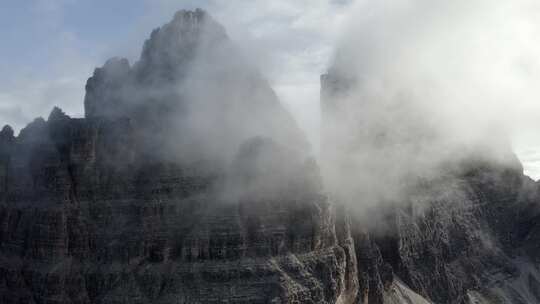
column 50, row 47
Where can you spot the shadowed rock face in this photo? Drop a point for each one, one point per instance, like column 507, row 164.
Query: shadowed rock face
column 137, row 204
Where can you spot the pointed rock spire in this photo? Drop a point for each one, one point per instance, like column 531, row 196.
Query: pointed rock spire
column 6, row 133
column 171, row 48
column 57, row 114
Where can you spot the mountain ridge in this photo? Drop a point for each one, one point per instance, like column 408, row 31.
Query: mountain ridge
column 157, row 197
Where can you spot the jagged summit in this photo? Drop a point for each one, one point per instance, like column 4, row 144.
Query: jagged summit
column 191, row 88
column 185, row 22
column 166, row 58
column 188, row 20
column 7, row 131
column 190, row 15
column 57, row 114
column 170, row 48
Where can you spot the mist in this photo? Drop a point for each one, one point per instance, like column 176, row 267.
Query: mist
column 444, row 76
column 195, row 101
column 416, row 86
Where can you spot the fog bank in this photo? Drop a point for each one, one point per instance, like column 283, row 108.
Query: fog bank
column 415, row 85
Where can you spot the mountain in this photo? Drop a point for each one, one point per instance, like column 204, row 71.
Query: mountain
column 188, row 182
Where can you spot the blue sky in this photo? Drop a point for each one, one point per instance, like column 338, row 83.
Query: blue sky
column 37, row 32
column 50, row 47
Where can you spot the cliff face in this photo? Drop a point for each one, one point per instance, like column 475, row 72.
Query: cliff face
column 460, row 240
column 186, row 182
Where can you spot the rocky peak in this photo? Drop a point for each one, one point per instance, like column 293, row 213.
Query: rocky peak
column 116, row 68
column 186, row 20
column 7, row 132
column 191, row 93
column 169, row 50
column 36, row 131
column 57, row 114
column 103, row 97
column 6, row 141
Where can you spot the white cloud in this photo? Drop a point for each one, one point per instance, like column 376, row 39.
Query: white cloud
column 466, row 66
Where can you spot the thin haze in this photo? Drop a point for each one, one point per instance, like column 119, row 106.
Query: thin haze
column 51, row 47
